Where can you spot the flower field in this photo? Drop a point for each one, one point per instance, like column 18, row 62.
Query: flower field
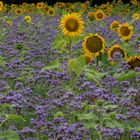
column 70, row 71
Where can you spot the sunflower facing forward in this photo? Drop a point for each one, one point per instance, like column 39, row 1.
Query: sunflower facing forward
column 93, row 45
column 134, row 61
column 99, row 15
column 71, row 24
column 51, row 12
column 116, row 48
column 125, row 31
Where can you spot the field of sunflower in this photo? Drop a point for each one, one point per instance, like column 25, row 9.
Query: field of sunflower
column 70, row 71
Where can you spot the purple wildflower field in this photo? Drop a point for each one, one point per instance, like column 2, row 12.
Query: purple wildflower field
column 55, row 85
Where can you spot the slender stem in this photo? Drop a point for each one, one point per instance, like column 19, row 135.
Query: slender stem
column 97, row 61
column 70, row 48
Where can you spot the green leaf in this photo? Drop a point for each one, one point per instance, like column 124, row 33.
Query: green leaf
column 138, row 38
column 10, row 135
column 94, row 75
column 114, row 124
column 110, row 42
column 86, row 116
column 52, row 65
column 59, row 42
column 124, row 76
column 2, row 62
column 13, row 117
column 77, row 64
column 110, row 107
column 5, row 106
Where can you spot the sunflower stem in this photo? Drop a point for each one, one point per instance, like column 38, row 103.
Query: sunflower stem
column 70, row 71
column 97, row 61
column 70, row 48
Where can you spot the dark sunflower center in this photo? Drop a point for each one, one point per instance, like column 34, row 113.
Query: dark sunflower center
column 51, row 12
column 100, row 15
column 72, row 25
column 18, row 11
column 134, row 63
column 125, row 31
column 117, row 50
column 39, row 5
column 94, row 44
column 115, row 25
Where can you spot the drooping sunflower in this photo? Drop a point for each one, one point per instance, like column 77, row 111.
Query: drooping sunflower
column 18, row 11
column 51, row 12
column 90, row 16
column 125, row 31
column 114, row 25
column 93, row 45
column 116, row 48
column 136, row 16
column 71, row 24
column 134, row 61
column 27, row 19
column 99, row 15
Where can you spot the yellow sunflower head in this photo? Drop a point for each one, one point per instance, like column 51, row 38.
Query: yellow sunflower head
column 27, row 19
column 114, row 25
column 1, row 4
column 99, row 15
column 134, row 2
column 93, row 45
column 116, row 48
column 136, row 16
column 39, row 5
column 24, row 5
column 71, row 24
column 119, row 2
column 91, row 16
column 134, row 61
column 51, row 12
column 125, row 31
column 18, row 11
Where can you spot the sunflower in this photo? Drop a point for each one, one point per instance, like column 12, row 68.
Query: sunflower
column 51, row 12
column 116, row 48
column 91, row 16
column 71, row 24
column 27, row 18
column 119, row 2
column 134, row 2
column 39, row 5
column 24, row 5
column 136, row 16
column 18, row 11
column 1, row 4
column 13, row 6
column 93, row 45
column 114, row 25
column 99, row 15
column 125, row 31
column 134, row 61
